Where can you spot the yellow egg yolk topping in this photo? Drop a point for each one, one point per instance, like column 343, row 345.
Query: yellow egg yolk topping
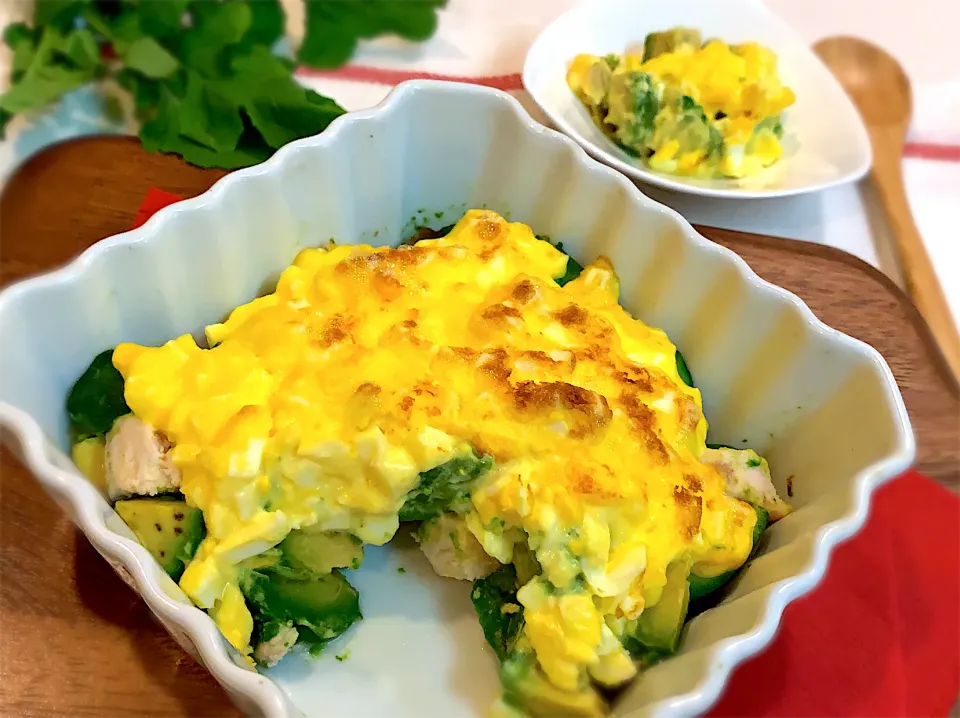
column 321, row 403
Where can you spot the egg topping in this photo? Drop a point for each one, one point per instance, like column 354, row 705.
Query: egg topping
column 321, row 403
column 703, row 109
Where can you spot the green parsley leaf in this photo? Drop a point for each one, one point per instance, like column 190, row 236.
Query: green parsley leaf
column 285, row 112
column 256, row 65
column 22, row 40
column 204, row 80
column 333, row 27
column 163, row 19
column 47, row 76
column 279, row 107
column 145, row 91
column 208, row 117
column 162, row 134
column 56, row 12
column 82, row 50
column 162, row 128
column 222, row 23
column 39, row 90
column 122, row 29
column 216, row 26
column 266, row 24
column 149, row 57
column 126, row 26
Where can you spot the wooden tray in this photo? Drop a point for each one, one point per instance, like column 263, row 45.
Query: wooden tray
column 77, row 641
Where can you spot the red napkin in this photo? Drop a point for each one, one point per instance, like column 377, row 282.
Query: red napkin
column 155, row 200
column 880, row 636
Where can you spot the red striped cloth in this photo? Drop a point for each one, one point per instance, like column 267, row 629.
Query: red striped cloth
column 880, row 636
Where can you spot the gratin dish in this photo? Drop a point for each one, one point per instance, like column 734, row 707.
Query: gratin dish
column 822, row 407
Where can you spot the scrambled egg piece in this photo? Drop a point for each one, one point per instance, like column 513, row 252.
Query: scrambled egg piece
column 319, row 405
column 686, row 107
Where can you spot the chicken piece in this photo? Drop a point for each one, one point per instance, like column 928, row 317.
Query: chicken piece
column 452, row 550
column 269, row 653
column 747, row 477
column 137, row 460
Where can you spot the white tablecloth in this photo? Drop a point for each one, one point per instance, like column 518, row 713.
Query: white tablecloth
column 489, row 38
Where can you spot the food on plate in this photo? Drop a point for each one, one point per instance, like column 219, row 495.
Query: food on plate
column 688, row 107
column 477, row 385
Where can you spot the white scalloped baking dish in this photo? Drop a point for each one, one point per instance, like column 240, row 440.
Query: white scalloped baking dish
column 824, row 408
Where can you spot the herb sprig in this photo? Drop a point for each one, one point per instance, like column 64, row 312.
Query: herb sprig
column 205, row 81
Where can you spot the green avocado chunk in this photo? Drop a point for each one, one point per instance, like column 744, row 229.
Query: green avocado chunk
column 527, row 688
column 321, row 552
column 656, row 632
column 168, row 528
column 574, row 268
column 324, row 605
column 700, row 586
column 660, row 43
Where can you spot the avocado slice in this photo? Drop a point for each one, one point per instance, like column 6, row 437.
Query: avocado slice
column 574, row 268
column 321, row 552
column 89, row 455
column 326, row 606
column 660, row 43
column 168, row 528
column 656, row 632
column 526, row 564
column 527, row 688
column 700, row 586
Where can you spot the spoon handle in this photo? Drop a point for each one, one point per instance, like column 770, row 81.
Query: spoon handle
column 918, row 273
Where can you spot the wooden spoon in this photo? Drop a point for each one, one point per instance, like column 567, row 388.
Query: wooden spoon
column 880, row 89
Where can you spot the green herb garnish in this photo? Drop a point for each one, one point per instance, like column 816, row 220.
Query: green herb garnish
column 501, row 617
column 445, row 488
column 683, row 370
column 203, row 77
column 96, row 400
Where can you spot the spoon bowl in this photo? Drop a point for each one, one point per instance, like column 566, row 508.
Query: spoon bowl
column 864, row 68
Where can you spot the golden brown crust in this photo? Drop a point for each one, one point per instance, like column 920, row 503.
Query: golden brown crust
column 335, row 331
column 524, row 291
column 689, row 512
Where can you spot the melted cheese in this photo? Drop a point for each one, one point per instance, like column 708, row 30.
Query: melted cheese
column 321, row 403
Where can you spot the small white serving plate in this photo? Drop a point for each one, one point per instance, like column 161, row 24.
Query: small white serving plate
column 825, row 141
